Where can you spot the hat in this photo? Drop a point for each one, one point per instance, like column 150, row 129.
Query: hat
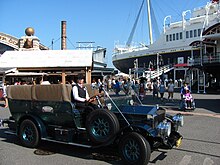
column 80, row 77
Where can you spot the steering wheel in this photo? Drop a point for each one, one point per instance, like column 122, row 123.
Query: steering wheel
column 93, row 98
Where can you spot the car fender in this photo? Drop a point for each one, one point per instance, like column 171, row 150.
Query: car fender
column 40, row 125
column 143, row 128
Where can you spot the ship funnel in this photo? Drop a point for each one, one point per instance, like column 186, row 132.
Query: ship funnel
column 63, row 35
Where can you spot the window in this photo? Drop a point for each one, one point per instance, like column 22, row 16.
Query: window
column 191, row 33
column 195, row 33
column 199, row 32
column 168, row 61
column 170, row 37
column 187, row 34
column 177, row 36
column 174, row 37
column 181, row 35
column 167, row 38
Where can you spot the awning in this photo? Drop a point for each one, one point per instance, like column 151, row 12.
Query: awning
column 46, row 59
column 181, row 65
column 25, row 74
column 5, row 70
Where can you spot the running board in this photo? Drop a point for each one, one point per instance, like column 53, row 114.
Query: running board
column 10, row 132
column 70, row 143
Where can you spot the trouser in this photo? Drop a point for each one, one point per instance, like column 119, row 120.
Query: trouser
column 85, row 109
column 188, row 103
column 170, row 95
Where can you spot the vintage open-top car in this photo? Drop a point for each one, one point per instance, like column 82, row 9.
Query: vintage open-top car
column 46, row 112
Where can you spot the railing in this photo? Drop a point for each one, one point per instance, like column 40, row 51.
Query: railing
column 207, row 59
column 159, row 72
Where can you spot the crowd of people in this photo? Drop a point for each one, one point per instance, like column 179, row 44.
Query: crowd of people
column 128, row 86
column 160, row 89
column 141, row 86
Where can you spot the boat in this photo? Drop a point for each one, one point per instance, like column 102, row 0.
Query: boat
column 190, row 41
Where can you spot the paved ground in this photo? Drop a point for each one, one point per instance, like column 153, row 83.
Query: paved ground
column 205, row 103
column 200, row 144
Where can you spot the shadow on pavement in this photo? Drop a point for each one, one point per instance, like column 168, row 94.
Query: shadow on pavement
column 207, row 102
column 106, row 154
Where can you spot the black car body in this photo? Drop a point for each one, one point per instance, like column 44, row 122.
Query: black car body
column 46, row 112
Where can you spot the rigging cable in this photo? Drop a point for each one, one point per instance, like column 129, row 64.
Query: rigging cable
column 71, row 42
column 53, row 42
column 135, row 25
column 155, row 28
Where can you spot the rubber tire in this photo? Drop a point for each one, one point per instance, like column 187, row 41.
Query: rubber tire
column 28, row 127
column 138, row 145
column 102, row 125
column 182, row 105
column 193, row 105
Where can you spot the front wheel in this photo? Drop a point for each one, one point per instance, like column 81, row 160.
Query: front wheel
column 102, row 125
column 134, row 149
column 29, row 134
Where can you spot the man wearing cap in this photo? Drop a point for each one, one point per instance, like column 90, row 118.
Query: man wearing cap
column 81, row 97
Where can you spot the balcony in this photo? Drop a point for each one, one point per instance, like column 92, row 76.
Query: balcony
column 207, row 59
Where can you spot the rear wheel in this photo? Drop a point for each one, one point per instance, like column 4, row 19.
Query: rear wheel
column 134, row 149
column 102, row 125
column 29, row 134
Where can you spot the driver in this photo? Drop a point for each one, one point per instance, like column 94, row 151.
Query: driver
column 81, row 97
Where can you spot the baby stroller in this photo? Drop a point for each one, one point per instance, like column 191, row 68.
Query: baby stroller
column 187, row 102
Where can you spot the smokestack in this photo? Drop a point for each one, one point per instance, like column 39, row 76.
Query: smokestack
column 63, row 35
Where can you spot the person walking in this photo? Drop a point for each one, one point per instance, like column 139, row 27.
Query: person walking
column 162, row 90
column 136, row 87
column 155, row 89
column 117, row 87
column 170, row 89
column 142, row 89
column 5, row 95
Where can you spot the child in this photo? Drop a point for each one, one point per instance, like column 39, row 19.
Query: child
column 188, row 98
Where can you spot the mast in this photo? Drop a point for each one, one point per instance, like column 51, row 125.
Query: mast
column 149, row 22
column 136, row 21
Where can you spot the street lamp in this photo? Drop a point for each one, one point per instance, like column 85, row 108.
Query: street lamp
column 158, row 55
column 136, row 67
column 52, row 43
column 150, row 68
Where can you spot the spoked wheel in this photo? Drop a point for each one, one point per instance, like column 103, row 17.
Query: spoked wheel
column 102, row 125
column 134, row 149
column 29, row 134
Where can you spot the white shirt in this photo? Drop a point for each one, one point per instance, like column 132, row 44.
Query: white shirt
column 76, row 94
column 4, row 94
column 45, row 83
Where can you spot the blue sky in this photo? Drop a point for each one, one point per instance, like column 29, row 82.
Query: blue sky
column 100, row 21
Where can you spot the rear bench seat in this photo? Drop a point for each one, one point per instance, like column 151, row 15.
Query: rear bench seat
column 53, row 92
